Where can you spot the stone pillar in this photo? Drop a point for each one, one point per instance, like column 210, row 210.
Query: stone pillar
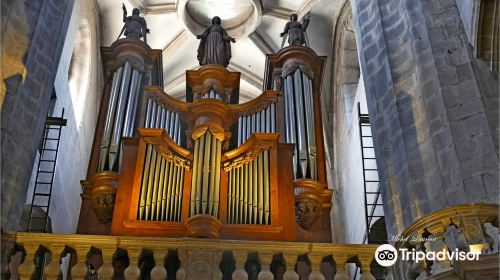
column 433, row 137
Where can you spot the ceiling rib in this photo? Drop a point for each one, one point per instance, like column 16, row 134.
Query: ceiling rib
column 277, row 12
column 248, row 76
column 175, row 44
column 260, row 43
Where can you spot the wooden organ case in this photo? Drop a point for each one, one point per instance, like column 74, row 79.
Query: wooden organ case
column 209, row 167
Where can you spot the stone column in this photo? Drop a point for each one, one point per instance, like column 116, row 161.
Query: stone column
column 79, row 271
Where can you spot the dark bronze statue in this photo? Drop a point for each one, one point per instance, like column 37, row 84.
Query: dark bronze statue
column 296, row 30
column 215, row 45
column 135, row 26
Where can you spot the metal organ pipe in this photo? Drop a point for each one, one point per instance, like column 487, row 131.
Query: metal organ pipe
column 299, row 123
column 206, row 175
column 160, row 195
column 249, row 192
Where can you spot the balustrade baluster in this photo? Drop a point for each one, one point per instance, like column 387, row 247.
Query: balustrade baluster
column 340, row 260
column 26, row 269
column 132, row 272
column 159, row 272
column 316, row 261
column 106, row 269
column 79, row 271
column 290, row 260
column 51, row 271
column 241, row 258
column 265, row 265
column 365, row 267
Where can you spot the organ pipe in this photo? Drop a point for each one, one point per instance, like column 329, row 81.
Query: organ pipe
column 160, row 195
column 249, row 191
column 299, row 124
column 206, row 175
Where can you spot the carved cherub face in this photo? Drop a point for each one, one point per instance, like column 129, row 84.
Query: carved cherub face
column 293, row 17
column 135, row 12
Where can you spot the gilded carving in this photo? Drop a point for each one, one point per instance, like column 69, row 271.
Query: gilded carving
column 307, row 211
column 104, row 202
column 249, row 156
column 166, row 153
column 260, row 107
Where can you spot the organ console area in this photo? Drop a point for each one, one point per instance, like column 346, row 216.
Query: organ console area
column 208, row 166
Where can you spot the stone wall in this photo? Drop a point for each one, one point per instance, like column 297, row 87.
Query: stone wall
column 80, row 101
column 33, row 34
column 433, row 124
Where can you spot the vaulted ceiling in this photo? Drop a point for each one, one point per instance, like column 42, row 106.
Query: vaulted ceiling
column 256, row 25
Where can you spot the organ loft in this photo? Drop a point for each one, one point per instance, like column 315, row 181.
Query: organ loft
column 215, row 183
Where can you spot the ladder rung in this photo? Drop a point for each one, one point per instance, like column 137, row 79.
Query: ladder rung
column 42, row 194
column 371, row 169
column 43, row 183
column 43, row 171
column 374, row 204
column 45, row 149
column 48, row 160
column 369, row 158
column 41, row 206
column 372, row 192
column 52, row 139
column 39, row 218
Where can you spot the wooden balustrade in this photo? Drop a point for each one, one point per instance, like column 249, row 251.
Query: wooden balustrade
column 198, row 258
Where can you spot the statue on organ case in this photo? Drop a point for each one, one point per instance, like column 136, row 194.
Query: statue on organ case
column 215, row 45
column 135, row 26
column 296, row 31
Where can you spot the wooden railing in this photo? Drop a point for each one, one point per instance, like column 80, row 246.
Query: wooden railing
column 139, row 258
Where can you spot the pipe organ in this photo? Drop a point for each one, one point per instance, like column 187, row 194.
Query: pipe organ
column 206, row 175
column 162, row 117
column 161, row 187
column 249, row 190
column 299, row 123
column 210, row 166
column 262, row 120
column 120, row 115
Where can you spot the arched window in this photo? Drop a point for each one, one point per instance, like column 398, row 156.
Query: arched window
column 79, row 69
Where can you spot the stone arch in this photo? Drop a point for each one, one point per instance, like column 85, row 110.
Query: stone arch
column 488, row 29
column 346, row 70
column 79, row 69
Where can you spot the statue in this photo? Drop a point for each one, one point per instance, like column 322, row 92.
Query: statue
column 296, row 30
column 135, row 25
column 215, row 45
